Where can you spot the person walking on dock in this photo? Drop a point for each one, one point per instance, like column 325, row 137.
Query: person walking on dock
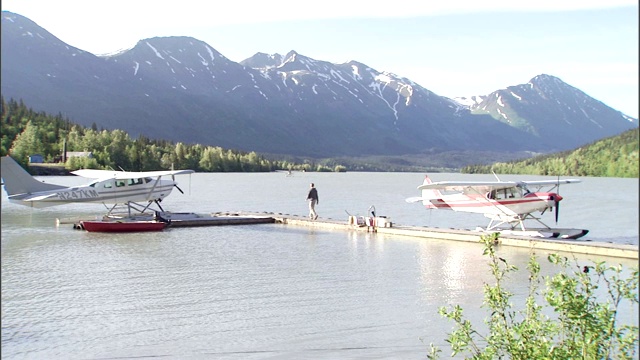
column 313, row 199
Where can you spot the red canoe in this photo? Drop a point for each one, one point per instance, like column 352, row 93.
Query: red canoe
column 122, row 226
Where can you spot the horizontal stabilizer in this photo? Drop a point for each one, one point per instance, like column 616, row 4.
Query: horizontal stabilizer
column 38, row 197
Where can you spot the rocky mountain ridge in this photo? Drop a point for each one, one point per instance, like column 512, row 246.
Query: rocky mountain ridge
column 182, row 89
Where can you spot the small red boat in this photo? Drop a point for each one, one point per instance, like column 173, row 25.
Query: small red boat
column 122, row 226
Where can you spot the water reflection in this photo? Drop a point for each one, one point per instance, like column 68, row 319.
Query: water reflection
column 246, row 291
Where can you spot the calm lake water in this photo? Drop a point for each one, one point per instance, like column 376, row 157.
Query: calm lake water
column 268, row 291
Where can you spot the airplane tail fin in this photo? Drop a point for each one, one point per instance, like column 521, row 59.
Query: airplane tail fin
column 18, row 181
column 430, row 193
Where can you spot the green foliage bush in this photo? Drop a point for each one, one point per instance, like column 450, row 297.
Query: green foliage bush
column 585, row 325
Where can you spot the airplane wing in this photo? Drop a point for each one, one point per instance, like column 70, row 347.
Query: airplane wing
column 96, row 174
column 476, row 187
column 551, row 182
column 141, row 174
column 110, row 174
column 473, row 187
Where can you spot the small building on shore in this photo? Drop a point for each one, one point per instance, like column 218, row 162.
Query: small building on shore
column 36, row 159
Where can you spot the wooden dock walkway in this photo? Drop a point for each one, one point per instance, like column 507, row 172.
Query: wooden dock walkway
column 574, row 246
column 216, row 219
column 247, row 218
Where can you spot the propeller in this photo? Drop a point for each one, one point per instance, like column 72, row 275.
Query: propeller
column 173, row 177
column 558, row 198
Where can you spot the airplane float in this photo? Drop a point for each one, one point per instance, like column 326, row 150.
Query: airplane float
column 109, row 187
column 507, row 203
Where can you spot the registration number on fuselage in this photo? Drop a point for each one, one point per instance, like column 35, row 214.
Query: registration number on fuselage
column 78, row 194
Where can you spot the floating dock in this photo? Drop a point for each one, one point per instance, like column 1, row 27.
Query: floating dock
column 574, row 246
column 215, row 219
column 383, row 225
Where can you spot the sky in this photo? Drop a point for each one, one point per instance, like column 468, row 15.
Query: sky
column 454, row 48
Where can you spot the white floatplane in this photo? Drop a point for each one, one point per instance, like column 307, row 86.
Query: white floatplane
column 109, row 187
column 507, row 203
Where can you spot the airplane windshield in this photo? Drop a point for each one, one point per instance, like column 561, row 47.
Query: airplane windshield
column 508, row 193
column 524, row 189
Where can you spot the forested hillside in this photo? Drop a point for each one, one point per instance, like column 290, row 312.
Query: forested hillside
column 616, row 156
column 25, row 132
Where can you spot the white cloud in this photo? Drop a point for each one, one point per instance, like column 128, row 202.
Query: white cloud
column 108, row 26
column 196, row 13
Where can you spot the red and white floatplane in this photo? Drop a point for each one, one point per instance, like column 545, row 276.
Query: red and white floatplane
column 508, row 204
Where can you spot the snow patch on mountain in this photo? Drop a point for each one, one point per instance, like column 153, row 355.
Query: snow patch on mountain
column 469, row 101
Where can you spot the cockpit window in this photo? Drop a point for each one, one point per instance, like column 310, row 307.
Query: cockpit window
column 135, row 181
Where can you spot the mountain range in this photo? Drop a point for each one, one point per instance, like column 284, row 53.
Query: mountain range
column 181, row 89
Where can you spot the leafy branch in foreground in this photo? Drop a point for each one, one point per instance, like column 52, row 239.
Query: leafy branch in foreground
column 584, row 326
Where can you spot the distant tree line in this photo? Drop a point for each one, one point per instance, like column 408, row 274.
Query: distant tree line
column 26, row 132
column 615, row 156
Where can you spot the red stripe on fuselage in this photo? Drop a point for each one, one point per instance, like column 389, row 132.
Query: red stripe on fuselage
column 481, row 201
